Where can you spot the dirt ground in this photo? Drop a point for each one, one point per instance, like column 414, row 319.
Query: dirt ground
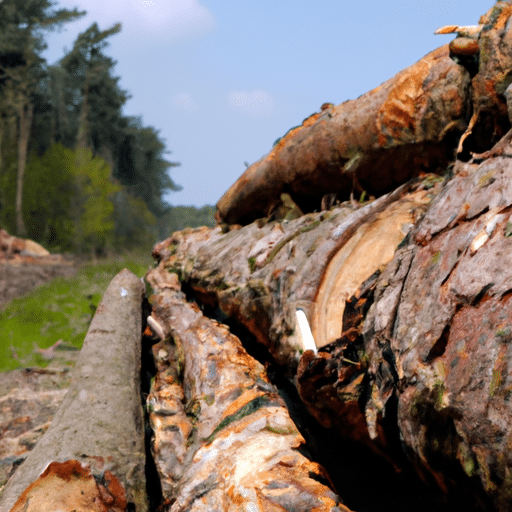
column 22, row 274
column 29, row 397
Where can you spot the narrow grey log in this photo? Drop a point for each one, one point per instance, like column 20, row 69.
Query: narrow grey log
column 100, row 421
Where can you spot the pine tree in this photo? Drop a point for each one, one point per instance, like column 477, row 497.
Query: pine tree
column 89, row 74
column 22, row 28
column 143, row 167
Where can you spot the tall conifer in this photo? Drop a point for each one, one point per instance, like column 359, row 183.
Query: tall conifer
column 22, row 29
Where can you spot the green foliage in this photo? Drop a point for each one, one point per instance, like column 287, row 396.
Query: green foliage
column 87, row 82
column 59, row 310
column 134, row 225
column 23, row 70
column 74, row 205
column 22, row 24
column 48, row 199
column 8, row 189
column 134, row 152
column 68, row 205
column 94, row 225
column 95, row 179
column 178, row 218
column 141, row 165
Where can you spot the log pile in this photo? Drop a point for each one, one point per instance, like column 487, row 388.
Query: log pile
column 364, row 263
column 24, row 264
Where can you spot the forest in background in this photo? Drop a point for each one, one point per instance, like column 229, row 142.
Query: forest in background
column 76, row 174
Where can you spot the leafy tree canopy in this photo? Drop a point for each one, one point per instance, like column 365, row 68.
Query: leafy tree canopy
column 84, row 175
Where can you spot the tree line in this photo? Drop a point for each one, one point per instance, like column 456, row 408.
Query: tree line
column 76, row 174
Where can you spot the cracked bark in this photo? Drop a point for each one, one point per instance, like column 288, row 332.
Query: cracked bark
column 446, row 287
column 223, row 436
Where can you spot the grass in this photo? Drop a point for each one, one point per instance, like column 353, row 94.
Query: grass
column 59, row 310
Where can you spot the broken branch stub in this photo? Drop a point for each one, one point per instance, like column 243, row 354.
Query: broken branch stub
column 490, row 119
column 99, row 425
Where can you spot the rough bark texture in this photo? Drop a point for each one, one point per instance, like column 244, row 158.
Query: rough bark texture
column 408, row 125
column 259, row 276
column 491, row 118
column 408, row 295
column 99, row 424
column 26, row 112
column 434, row 341
column 223, row 437
column 442, row 309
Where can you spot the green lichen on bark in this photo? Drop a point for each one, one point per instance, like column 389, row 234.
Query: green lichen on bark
column 496, row 381
column 467, row 460
column 281, row 431
column 435, row 257
column 209, row 399
column 304, row 229
column 249, row 408
column 252, row 264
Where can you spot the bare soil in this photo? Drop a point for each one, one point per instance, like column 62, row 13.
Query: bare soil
column 21, row 275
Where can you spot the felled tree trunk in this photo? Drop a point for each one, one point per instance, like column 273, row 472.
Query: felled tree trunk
column 437, row 336
column 408, row 300
column 408, row 125
column 261, row 276
column 223, row 437
column 92, row 455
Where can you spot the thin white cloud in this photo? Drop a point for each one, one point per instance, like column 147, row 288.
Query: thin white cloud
column 185, row 103
column 145, row 20
column 254, row 103
column 178, row 18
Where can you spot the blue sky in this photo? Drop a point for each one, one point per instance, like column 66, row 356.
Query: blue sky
column 222, row 79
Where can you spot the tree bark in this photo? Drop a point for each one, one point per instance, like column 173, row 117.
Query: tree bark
column 223, row 436
column 82, row 138
column 25, row 114
column 408, row 302
column 99, row 425
column 408, row 125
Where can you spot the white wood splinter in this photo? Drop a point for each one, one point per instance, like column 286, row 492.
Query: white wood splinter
column 305, row 334
column 156, row 327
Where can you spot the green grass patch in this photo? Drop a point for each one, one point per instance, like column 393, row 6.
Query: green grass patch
column 59, row 310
